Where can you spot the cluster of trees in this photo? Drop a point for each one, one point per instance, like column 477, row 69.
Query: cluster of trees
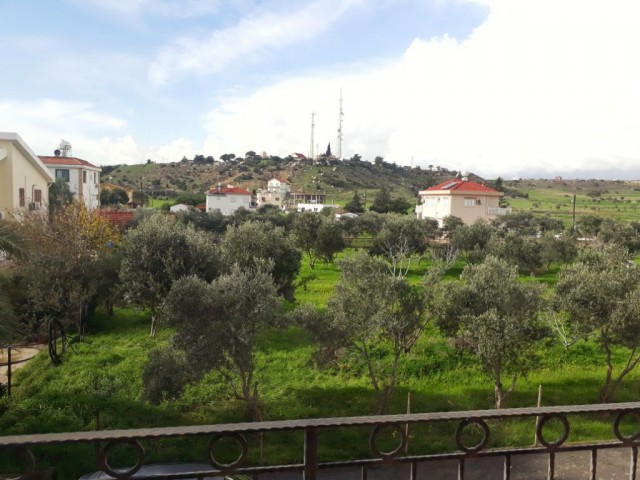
column 382, row 203
column 218, row 282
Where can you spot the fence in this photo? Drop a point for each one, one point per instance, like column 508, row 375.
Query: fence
column 387, row 443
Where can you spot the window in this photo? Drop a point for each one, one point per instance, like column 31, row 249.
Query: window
column 469, row 202
column 62, row 173
column 21, row 197
column 37, row 196
column 430, row 201
column 84, row 176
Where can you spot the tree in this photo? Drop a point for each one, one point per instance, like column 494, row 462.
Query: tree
column 113, row 196
column 11, row 244
column 382, row 201
column 63, row 271
column 318, row 236
column 354, row 206
column 600, row 297
column 158, row 252
column 400, row 205
column 522, row 251
column 368, row 308
column 473, row 239
column 260, row 245
column 59, row 195
column 495, row 316
column 401, row 239
column 217, row 326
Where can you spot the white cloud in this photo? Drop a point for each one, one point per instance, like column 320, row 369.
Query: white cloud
column 540, row 86
column 253, row 37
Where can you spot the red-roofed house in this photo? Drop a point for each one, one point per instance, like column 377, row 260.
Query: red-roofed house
column 228, row 199
column 460, row 197
column 83, row 177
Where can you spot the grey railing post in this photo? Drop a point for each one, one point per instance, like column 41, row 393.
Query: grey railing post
column 310, row 453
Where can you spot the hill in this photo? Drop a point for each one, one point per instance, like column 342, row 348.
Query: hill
column 337, row 179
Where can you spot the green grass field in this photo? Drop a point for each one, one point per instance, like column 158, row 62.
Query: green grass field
column 100, row 384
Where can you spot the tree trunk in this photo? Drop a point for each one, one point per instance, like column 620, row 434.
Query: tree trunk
column 154, row 322
column 499, row 394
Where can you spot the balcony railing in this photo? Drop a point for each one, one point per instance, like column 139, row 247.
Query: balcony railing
column 388, row 442
column 498, row 211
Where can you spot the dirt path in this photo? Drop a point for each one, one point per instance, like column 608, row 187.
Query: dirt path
column 19, row 358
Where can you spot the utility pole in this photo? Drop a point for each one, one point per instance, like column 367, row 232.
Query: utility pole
column 340, row 115
column 313, row 126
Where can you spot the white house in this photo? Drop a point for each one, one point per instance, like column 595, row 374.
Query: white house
column 314, row 207
column 24, row 179
column 83, row 177
column 228, row 199
column 276, row 193
column 180, row 207
column 461, row 198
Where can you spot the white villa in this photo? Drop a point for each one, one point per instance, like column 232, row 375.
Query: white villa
column 83, row 177
column 461, row 198
column 228, row 199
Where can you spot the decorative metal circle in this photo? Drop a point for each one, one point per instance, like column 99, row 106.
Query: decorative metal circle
column 394, row 428
column 631, row 439
column 28, row 456
column 103, row 461
column 485, row 434
column 239, row 439
column 543, row 421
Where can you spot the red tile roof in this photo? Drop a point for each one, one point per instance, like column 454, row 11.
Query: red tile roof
column 66, row 161
column 229, row 190
column 457, row 184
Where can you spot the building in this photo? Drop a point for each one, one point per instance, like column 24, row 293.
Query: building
column 24, row 179
column 314, row 207
column 83, row 177
column 276, row 193
column 228, row 199
column 180, row 207
column 460, row 197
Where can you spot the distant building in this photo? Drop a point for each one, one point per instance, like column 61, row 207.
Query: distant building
column 82, row 177
column 228, row 199
column 180, row 207
column 313, row 207
column 461, row 198
column 276, row 193
column 24, row 179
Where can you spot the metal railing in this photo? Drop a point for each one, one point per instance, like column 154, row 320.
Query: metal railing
column 387, row 443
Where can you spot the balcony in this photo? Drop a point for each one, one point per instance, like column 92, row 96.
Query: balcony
column 237, row 449
column 497, row 211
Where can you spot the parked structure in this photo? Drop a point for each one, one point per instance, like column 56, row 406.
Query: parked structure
column 83, row 177
column 228, row 199
column 180, row 207
column 314, row 207
column 460, row 197
column 24, row 179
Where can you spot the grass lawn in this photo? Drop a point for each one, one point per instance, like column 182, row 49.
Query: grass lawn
column 100, row 383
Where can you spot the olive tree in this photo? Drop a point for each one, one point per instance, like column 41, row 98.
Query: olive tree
column 318, row 236
column 369, row 307
column 600, row 298
column 217, row 325
column 254, row 245
column 494, row 315
column 158, row 252
column 401, row 240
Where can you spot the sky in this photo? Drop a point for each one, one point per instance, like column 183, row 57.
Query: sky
column 510, row 88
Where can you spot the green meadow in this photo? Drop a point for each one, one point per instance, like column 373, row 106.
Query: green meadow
column 99, row 386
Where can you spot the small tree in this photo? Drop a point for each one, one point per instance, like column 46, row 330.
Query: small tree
column 382, row 201
column 255, row 245
column 217, row 326
column 495, row 316
column 401, row 239
column 355, row 205
column 158, row 252
column 318, row 236
column 600, row 297
column 370, row 307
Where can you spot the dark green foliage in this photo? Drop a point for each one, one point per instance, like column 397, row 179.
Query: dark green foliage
column 355, row 205
column 494, row 315
column 319, row 236
column 260, row 245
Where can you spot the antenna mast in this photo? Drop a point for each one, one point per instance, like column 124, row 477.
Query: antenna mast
column 340, row 115
column 313, row 126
